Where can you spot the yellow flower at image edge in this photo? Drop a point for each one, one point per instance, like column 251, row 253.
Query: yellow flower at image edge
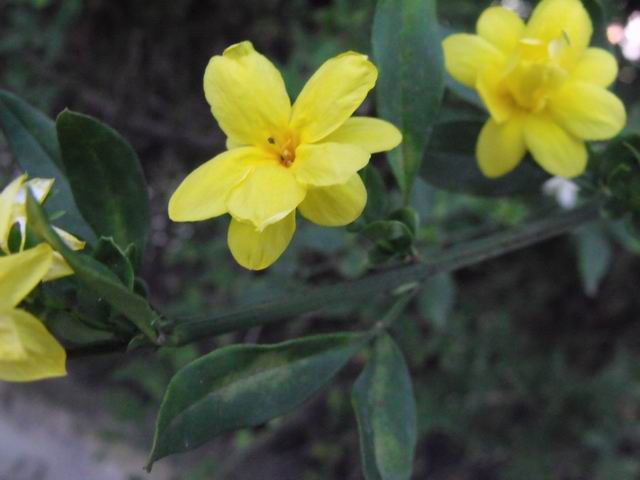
column 13, row 211
column 545, row 89
column 27, row 350
column 282, row 157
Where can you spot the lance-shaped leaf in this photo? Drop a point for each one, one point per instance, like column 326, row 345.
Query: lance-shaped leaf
column 106, row 178
column 95, row 275
column 110, row 254
column 32, row 139
column 408, row 53
column 385, row 408
column 246, row 385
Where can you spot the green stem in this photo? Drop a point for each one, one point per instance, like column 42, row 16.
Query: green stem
column 314, row 299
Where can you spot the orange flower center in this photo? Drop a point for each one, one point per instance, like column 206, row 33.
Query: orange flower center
column 284, row 149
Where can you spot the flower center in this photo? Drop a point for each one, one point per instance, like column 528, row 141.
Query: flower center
column 284, row 149
column 535, row 72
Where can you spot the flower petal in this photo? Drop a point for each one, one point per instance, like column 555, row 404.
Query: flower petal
column 494, row 94
column 331, row 95
column 7, row 201
column 371, row 134
column 59, row 266
column 203, row 194
column 466, row 55
column 247, row 95
column 587, row 111
column 555, row 149
column 257, row 250
column 596, row 66
column 557, row 19
column 40, row 188
column 335, row 206
column 502, row 27
column 27, row 350
column 21, row 272
column 59, row 269
column 266, row 196
column 326, row 164
column 500, row 147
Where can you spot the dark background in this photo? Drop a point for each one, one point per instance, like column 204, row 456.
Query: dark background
column 525, row 367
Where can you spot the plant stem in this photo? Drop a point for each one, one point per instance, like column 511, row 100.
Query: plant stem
column 314, row 299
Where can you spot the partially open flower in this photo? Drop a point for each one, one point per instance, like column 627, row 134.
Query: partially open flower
column 545, row 89
column 27, row 350
column 283, row 157
column 13, row 210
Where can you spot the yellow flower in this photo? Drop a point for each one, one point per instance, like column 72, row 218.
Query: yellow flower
column 27, row 350
column 545, row 89
column 282, row 157
column 13, row 210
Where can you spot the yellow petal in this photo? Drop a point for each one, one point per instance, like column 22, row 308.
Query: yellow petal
column 266, row 196
column 204, row 193
column 561, row 19
column 247, row 95
column 331, row 95
column 465, row 56
column 59, row 269
column 596, row 66
column 40, row 188
column 502, row 27
column 257, row 250
column 21, row 272
column 587, row 111
column 7, row 201
column 555, row 149
column 494, row 94
column 28, row 351
column 337, row 205
column 371, row 134
column 69, row 240
column 326, row 164
column 500, row 147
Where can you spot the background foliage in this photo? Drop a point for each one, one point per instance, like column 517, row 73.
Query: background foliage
column 525, row 367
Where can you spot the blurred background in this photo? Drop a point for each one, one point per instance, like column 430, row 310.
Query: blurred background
column 526, row 367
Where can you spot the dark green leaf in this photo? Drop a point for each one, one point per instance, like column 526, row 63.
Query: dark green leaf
column 392, row 235
column 106, row 178
column 110, row 254
column 34, row 145
column 72, row 329
column 408, row 53
column 385, row 408
column 450, row 164
column 246, row 385
column 95, row 275
column 377, row 196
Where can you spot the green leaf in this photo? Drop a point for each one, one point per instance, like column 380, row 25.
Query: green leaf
column 110, row 254
column 386, row 411
column 106, row 178
column 392, row 236
column 244, row 386
column 408, row 53
column 95, row 275
column 594, row 257
column 377, row 201
column 450, row 164
column 72, row 329
column 437, row 299
column 33, row 142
